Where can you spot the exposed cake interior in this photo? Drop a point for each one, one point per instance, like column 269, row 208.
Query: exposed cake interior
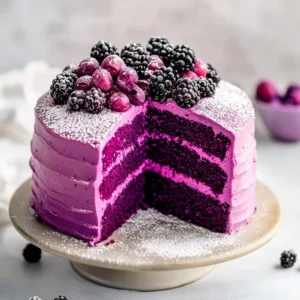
column 182, row 162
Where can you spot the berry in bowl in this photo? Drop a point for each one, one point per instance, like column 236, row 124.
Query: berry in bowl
column 280, row 113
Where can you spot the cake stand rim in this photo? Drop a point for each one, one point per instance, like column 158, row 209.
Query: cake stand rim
column 151, row 266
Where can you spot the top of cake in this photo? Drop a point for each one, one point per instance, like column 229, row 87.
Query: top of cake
column 86, row 100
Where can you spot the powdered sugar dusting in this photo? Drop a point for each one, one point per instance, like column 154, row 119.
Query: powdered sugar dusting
column 80, row 126
column 230, row 107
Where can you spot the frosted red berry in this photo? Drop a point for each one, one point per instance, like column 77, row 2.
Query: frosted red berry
column 200, row 68
column 87, row 67
column 189, row 74
column 136, row 96
column 113, row 64
column 119, row 102
column 127, row 78
column 155, row 63
column 83, row 83
column 102, row 80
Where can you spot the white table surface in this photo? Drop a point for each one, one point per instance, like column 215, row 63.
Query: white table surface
column 256, row 276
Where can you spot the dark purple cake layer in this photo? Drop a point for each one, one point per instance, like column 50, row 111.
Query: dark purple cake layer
column 127, row 204
column 200, row 135
column 120, row 172
column 180, row 200
column 186, row 161
column 124, row 137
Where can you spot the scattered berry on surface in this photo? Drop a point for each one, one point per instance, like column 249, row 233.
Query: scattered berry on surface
column 35, row 298
column 136, row 96
column 161, row 47
column 76, row 100
column 102, row 80
column 95, row 100
column 113, row 64
column 62, row 86
column 127, row 78
column 206, row 87
column 189, row 74
column 200, row 68
column 183, row 58
column 103, row 49
column 155, row 63
column 136, row 57
column 212, row 73
column 119, row 102
column 87, row 67
column 288, row 259
column 61, row 298
column 266, row 91
column 83, row 83
column 32, row 254
column 161, row 84
column 186, row 93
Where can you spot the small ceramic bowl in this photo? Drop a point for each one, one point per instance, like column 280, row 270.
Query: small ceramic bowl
column 283, row 121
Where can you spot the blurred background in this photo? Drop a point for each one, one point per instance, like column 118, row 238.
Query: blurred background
column 245, row 40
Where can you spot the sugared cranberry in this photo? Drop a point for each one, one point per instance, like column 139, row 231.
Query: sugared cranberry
column 144, row 85
column 189, row 74
column 200, row 68
column 136, row 96
column 113, row 64
column 287, row 98
column 83, row 83
column 127, row 78
column 295, row 97
column 266, row 91
column 70, row 68
column 102, row 79
column 155, row 63
column 119, row 102
column 88, row 66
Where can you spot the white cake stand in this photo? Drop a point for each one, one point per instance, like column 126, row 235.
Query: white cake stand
column 151, row 251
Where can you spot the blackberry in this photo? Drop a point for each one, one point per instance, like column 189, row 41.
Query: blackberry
column 62, row 86
column 103, row 49
column 161, row 84
column 183, row 58
column 32, row 254
column 136, row 57
column 213, row 74
column 206, row 87
column 186, row 93
column 95, row 100
column 61, row 298
column 161, row 47
column 288, row 259
column 76, row 100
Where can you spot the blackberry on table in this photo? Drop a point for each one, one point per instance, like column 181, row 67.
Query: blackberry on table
column 212, row 74
column 161, row 84
column 183, row 58
column 206, row 87
column 76, row 100
column 95, row 100
column 103, row 49
column 136, row 57
column 32, row 254
column 62, row 86
column 186, row 93
column 288, row 259
column 61, row 298
column 161, row 47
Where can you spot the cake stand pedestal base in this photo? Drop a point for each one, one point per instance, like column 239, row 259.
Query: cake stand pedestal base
column 142, row 280
column 154, row 253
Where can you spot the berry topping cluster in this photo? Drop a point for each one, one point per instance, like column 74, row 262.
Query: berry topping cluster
column 266, row 91
column 158, row 72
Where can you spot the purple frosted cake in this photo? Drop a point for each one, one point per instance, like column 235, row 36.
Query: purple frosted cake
column 150, row 127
